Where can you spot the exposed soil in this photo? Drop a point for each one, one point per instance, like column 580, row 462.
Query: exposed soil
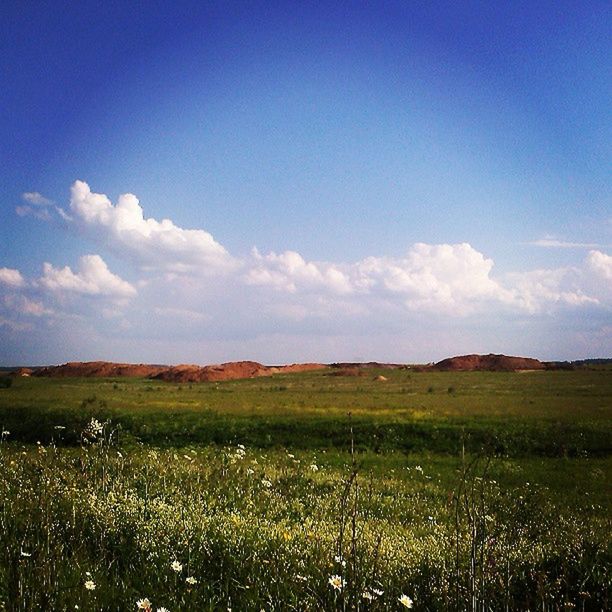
column 250, row 369
column 178, row 374
column 491, row 363
column 103, row 369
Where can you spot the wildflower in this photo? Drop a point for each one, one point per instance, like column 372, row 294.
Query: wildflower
column 314, row 467
column 144, row 604
column 405, row 601
column 337, row 582
column 418, row 468
column 291, row 455
column 176, row 566
column 162, row 609
column 367, row 595
column 25, row 554
column 377, row 592
column 191, row 580
column 90, row 585
column 95, row 427
column 266, row 483
column 339, row 559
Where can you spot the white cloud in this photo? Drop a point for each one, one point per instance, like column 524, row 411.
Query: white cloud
column 38, row 213
column 33, row 197
column 453, row 278
column 11, row 277
column 450, row 279
column 542, row 290
column 92, row 278
column 554, row 243
column 289, row 271
column 158, row 245
column 600, row 264
column 22, row 305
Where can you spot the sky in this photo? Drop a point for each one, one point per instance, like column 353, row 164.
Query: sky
column 199, row 182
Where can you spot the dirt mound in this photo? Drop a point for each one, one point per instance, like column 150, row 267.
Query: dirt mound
column 213, row 373
column 368, row 364
column 104, row 369
column 22, row 372
column 299, row 367
column 178, row 374
column 491, row 363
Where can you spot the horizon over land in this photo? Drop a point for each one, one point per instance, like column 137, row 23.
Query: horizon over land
column 394, row 199
column 336, row 181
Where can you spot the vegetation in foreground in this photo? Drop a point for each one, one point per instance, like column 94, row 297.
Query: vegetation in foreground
column 126, row 499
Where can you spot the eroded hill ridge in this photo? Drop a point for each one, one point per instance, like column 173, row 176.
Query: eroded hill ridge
column 251, row 369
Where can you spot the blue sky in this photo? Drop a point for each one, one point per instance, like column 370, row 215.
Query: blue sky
column 394, row 181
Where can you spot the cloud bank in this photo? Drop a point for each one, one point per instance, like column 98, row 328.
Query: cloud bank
column 187, row 285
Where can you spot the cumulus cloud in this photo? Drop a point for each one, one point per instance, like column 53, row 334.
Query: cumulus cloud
column 289, row 271
column 600, row 264
column 543, row 290
column 159, row 245
column 11, row 277
column 92, row 278
column 453, row 278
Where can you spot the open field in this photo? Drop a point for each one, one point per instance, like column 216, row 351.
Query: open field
column 474, row 490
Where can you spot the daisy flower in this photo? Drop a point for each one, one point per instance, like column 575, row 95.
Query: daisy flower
column 337, row 582
column 405, row 601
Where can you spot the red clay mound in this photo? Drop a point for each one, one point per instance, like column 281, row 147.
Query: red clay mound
column 299, row 367
column 212, row 373
column 103, row 369
column 178, row 374
column 22, row 372
column 491, row 363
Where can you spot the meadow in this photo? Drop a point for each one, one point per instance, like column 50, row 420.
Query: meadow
column 431, row 490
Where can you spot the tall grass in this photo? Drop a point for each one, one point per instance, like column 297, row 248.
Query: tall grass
column 269, row 529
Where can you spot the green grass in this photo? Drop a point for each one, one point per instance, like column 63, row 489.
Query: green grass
column 465, row 487
column 542, row 413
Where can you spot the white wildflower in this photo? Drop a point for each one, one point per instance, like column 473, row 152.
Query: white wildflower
column 405, row 601
column 337, row 582
column 176, row 566
column 144, row 604
column 90, row 585
column 191, row 580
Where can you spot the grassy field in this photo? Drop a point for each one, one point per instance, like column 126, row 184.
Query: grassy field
column 466, row 491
